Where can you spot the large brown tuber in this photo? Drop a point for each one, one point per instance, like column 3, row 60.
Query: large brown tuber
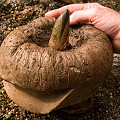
column 41, row 79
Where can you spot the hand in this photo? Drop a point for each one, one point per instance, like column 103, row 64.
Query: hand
column 101, row 17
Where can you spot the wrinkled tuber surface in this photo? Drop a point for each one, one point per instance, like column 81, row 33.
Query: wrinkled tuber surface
column 26, row 59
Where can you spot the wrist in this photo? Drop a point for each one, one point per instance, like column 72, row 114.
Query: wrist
column 117, row 35
column 116, row 39
column 116, row 43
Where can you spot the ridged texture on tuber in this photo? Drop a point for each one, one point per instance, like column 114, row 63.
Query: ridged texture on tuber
column 27, row 61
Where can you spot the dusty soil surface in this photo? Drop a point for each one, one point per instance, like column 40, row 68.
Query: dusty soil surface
column 107, row 99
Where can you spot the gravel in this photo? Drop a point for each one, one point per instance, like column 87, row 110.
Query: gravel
column 107, row 99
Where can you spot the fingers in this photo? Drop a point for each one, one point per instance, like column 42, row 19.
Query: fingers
column 57, row 12
column 83, row 16
column 72, row 8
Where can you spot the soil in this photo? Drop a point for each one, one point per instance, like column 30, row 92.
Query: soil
column 107, row 99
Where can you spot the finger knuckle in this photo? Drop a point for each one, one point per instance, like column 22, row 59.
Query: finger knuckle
column 95, row 10
column 97, row 4
column 76, row 13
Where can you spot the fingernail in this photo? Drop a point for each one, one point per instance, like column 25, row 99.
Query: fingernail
column 71, row 20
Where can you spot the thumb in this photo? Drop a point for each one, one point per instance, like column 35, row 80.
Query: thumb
column 84, row 16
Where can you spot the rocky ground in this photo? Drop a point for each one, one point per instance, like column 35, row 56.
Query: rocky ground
column 107, row 99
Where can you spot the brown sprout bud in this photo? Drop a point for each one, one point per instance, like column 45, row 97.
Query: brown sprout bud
column 60, row 35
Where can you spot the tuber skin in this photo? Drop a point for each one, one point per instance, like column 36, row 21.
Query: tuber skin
column 41, row 79
column 60, row 34
column 27, row 61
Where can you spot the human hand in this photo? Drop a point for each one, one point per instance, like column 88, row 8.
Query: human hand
column 101, row 17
